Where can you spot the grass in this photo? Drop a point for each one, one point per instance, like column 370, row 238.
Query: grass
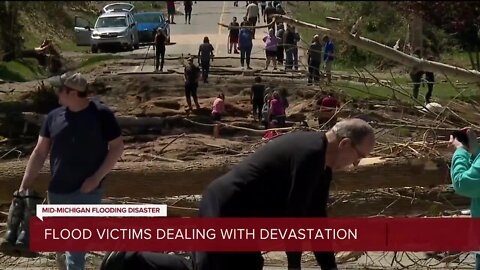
column 94, row 61
column 442, row 91
column 347, row 56
column 21, row 70
column 28, row 69
column 457, row 58
column 345, row 11
column 145, row 6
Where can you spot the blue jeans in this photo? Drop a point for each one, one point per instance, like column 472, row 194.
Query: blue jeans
column 76, row 260
column 245, row 55
column 291, row 61
column 205, row 69
column 477, row 261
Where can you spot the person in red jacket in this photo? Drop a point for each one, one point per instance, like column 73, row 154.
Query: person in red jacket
column 327, row 106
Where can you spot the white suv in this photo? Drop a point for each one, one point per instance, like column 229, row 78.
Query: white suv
column 115, row 27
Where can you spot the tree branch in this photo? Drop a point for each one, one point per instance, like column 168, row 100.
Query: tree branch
column 386, row 51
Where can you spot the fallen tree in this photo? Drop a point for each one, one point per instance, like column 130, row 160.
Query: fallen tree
column 386, row 51
column 162, row 179
column 397, row 202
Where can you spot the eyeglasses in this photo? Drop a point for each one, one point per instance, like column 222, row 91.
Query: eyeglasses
column 359, row 153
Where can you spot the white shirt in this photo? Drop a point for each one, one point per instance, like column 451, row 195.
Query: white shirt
column 252, row 11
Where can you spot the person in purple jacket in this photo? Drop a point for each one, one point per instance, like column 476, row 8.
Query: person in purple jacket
column 271, row 43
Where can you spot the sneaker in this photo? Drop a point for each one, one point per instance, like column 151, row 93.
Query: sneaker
column 249, row 67
column 236, row 52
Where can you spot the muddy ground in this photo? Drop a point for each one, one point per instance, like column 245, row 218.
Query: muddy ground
column 187, row 137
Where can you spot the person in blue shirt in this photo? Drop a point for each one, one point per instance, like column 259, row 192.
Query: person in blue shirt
column 245, row 44
column 328, row 57
column 84, row 142
column 465, row 174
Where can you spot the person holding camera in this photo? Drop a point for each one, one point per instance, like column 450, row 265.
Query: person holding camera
column 465, row 171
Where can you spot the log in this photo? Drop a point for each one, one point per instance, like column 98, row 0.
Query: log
column 162, row 179
column 16, row 106
column 123, row 121
column 387, row 52
column 158, row 122
column 401, row 202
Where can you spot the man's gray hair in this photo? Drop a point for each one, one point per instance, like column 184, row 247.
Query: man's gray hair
column 354, row 129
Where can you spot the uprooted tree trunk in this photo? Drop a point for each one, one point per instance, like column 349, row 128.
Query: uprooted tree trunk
column 162, row 179
column 387, row 52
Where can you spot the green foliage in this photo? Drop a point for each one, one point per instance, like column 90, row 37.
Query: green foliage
column 459, row 20
column 382, row 21
column 379, row 22
column 21, row 70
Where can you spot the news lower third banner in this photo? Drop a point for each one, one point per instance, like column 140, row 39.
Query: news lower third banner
column 146, row 228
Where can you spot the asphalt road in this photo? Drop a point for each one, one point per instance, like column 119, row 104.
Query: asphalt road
column 205, row 18
column 206, row 15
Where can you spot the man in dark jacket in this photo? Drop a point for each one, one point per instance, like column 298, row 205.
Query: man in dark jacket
column 314, row 59
column 288, row 177
column 191, row 75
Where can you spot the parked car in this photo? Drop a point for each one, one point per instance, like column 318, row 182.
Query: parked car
column 115, row 27
column 148, row 23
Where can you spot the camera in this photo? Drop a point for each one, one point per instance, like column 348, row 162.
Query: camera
column 461, row 136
